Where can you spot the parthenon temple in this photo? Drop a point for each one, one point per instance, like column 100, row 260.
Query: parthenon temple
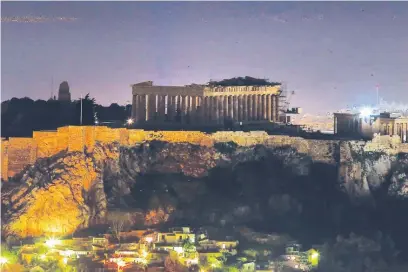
column 201, row 104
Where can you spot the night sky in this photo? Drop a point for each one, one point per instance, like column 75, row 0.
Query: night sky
column 331, row 53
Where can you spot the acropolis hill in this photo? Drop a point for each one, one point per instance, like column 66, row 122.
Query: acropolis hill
column 17, row 153
column 71, row 178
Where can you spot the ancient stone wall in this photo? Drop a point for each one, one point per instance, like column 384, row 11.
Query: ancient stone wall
column 4, row 158
column 21, row 152
column 17, row 153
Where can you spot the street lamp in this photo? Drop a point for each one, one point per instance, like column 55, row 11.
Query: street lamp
column 366, row 112
column 129, row 121
column 3, row 261
column 120, row 263
column 52, row 242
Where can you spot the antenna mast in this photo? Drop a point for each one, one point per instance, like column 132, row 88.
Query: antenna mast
column 52, row 87
column 80, row 120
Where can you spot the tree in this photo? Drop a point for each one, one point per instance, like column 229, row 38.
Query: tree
column 119, row 221
column 356, row 253
column 10, row 255
column 21, row 116
column 88, row 108
column 188, row 247
column 157, row 216
column 171, row 265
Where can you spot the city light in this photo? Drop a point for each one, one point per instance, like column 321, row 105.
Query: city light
column 315, row 255
column 52, row 242
column 149, row 239
column 120, row 262
column 144, row 253
column 366, row 112
column 179, row 250
column 129, row 121
column 3, row 261
column 67, row 253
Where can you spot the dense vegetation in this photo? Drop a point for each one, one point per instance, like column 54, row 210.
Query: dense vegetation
column 21, row 116
column 243, row 81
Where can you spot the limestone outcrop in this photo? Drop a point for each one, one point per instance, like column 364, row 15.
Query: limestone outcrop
column 279, row 180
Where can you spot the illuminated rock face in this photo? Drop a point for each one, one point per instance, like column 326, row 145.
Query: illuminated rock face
column 64, row 192
column 57, row 195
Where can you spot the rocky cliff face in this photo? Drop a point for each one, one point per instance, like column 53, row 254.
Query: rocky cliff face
column 275, row 188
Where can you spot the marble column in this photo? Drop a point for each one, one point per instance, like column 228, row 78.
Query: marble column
column 245, row 107
column 205, row 109
column 265, row 107
column 188, row 108
column 215, row 109
column 176, row 107
column 254, row 107
column 142, row 108
column 149, row 97
column 154, row 107
column 200, row 116
column 273, row 108
column 209, row 106
column 268, row 107
column 240, row 108
column 134, row 106
column 209, row 109
column 161, row 107
column 259, row 112
column 236, row 108
column 169, row 111
column 182, row 108
column 250, row 102
column 233, row 109
column 221, row 109
column 230, row 107
column 225, row 106
column 194, row 109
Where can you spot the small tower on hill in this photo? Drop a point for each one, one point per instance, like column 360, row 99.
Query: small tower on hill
column 63, row 92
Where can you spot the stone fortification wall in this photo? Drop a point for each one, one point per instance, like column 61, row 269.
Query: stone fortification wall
column 17, row 153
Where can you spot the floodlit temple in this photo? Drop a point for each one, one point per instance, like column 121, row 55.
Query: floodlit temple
column 202, row 104
column 367, row 125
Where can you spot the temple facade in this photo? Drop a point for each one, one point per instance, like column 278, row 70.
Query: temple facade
column 201, row 104
column 356, row 125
